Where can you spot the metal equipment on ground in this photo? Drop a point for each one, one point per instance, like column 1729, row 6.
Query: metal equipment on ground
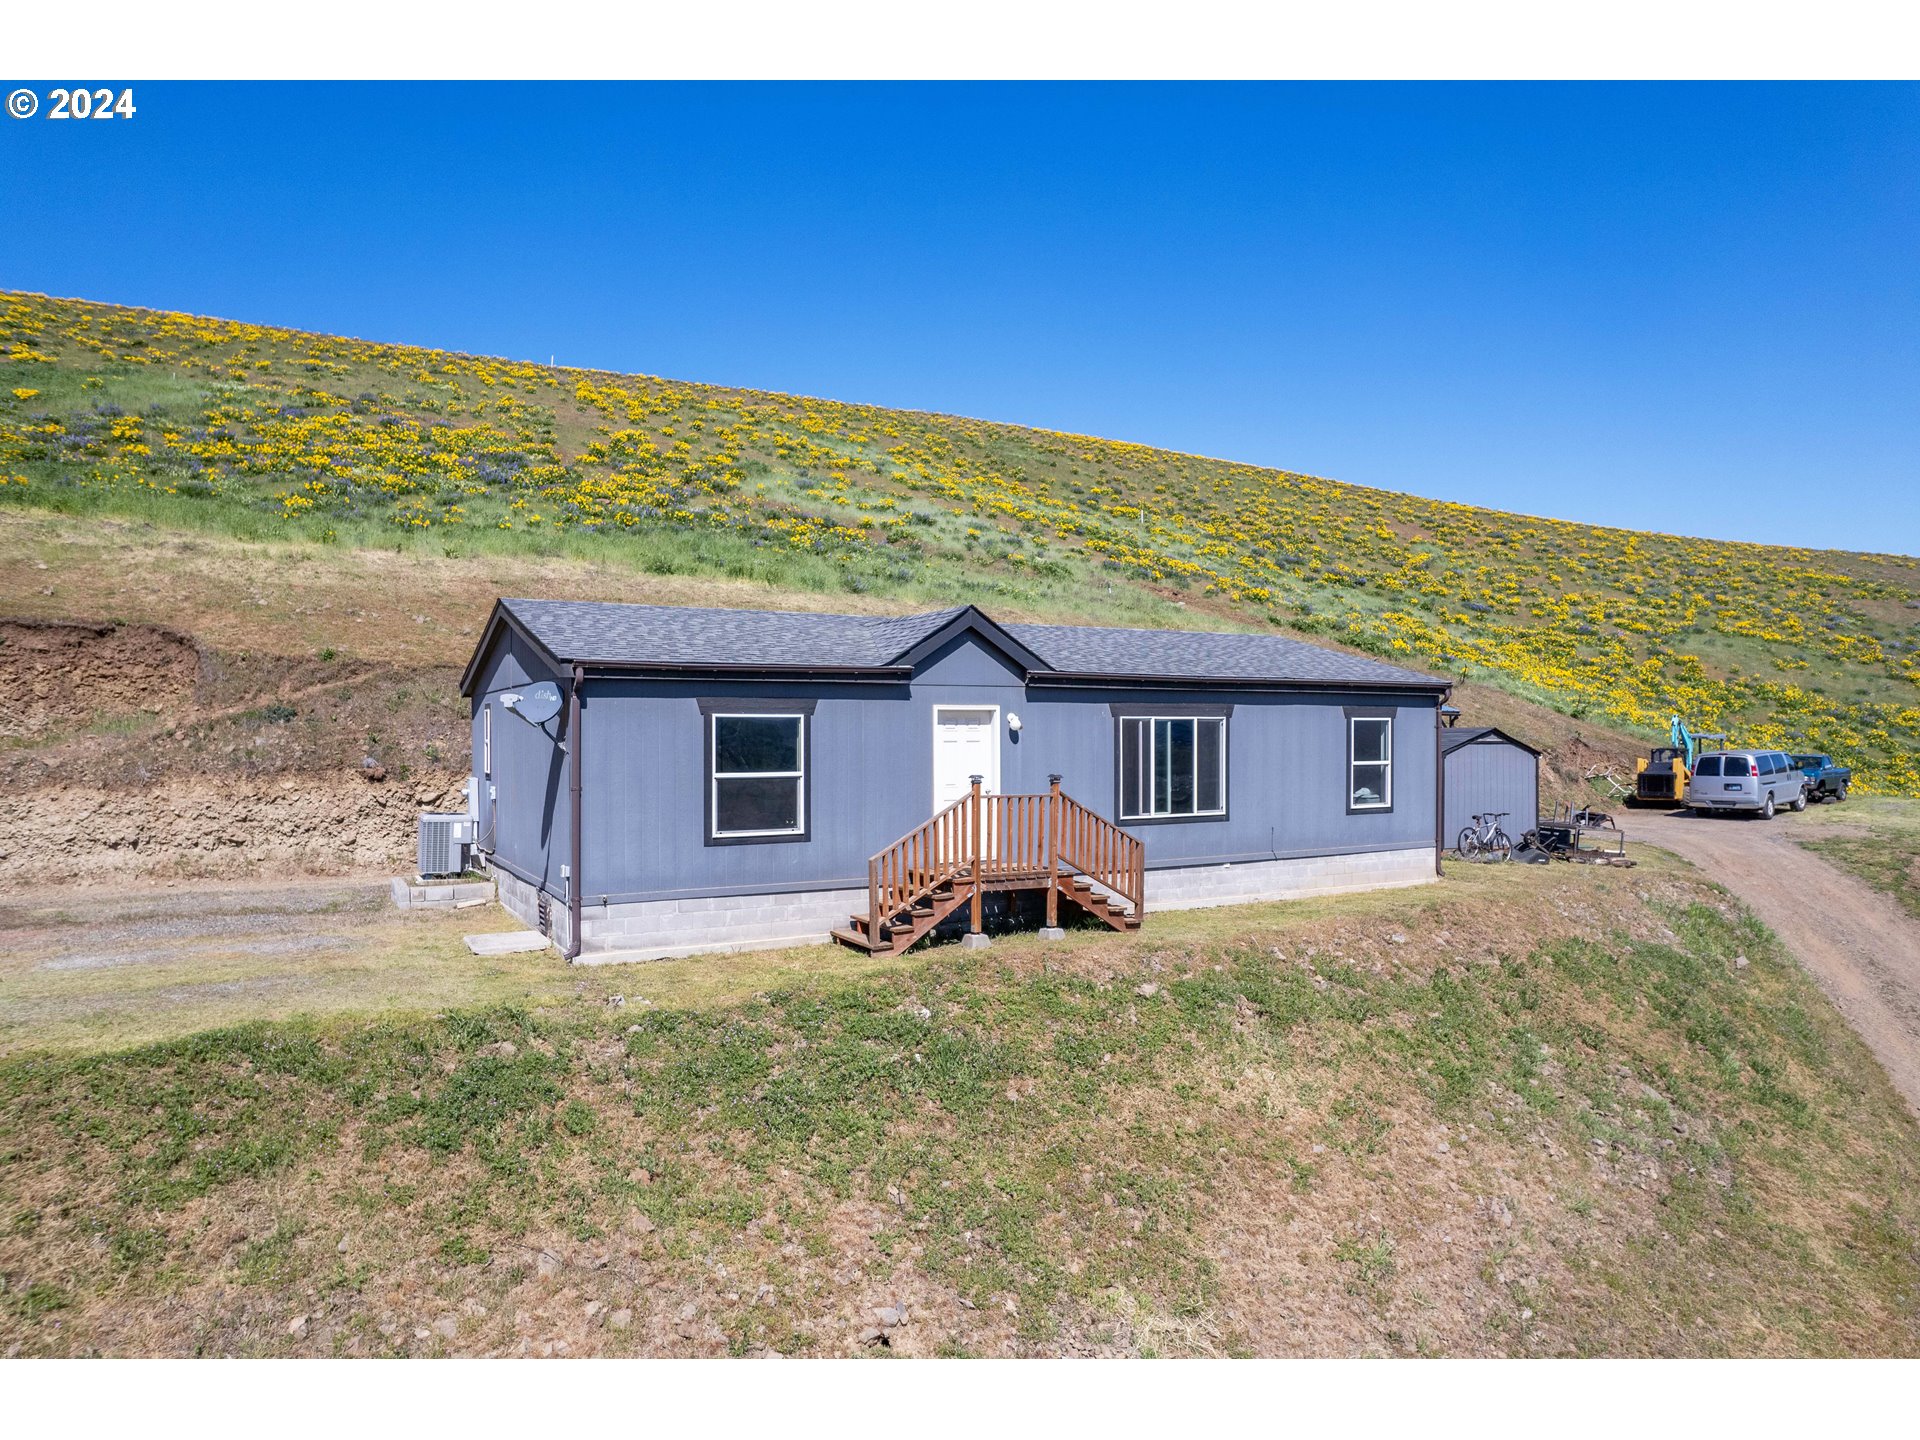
column 1661, row 778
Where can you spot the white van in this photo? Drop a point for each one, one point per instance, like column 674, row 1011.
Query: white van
column 1757, row 780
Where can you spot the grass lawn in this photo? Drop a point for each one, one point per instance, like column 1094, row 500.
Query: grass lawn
column 1524, row 1111
column 1878, row 840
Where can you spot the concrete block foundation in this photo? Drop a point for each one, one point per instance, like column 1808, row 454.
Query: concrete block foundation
column 1193, row 887
column 521, row 899
column 725, row 924
column 420, row 894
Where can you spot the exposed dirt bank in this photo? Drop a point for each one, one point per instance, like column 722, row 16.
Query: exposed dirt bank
column 132, row 751
column 309, row 824
column 56, row 675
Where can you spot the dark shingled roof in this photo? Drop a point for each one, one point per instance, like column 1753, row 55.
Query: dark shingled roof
column 668, row 636
column 1202, row 655
column 594, row 631
column 1454, row 736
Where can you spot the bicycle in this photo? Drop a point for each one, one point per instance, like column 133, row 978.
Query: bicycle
column 1484, row 840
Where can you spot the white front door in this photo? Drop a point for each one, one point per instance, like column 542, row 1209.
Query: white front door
column 966, row 742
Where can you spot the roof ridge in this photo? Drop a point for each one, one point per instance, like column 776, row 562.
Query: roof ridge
column 733, row 609
column 700, row 637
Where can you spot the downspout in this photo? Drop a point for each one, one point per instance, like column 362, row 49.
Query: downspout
column 573, row 815
column 1439, row 785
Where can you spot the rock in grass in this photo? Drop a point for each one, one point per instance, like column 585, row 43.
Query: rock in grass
column 620, row 1319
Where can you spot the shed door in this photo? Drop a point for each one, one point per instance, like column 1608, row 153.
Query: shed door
column 966, row 742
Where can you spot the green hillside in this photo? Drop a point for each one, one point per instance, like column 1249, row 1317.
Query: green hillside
column 263, row 433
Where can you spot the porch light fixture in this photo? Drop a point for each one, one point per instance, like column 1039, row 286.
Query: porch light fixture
column 1013, row 722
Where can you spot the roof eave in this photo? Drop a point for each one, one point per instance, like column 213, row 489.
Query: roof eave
column 973, row 619
column 1489, row 732
column 500, row 616
column 1083, row 679
column 657, row 670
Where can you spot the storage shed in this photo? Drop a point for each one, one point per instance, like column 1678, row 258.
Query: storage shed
column 1482, row 769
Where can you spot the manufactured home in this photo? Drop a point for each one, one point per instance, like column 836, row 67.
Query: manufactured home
column 656, row 781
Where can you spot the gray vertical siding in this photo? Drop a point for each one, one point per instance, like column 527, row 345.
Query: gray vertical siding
column 525, row 823
column 1491, row 774
column 871, row 776
column 1286, row 772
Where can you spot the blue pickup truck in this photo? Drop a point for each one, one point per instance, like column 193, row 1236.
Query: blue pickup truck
column 1824, row 779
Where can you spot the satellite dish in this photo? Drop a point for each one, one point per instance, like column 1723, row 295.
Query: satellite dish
column 537, row 704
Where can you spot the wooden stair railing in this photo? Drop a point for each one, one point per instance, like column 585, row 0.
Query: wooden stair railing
column 911, row 878
column 985, row 842
column 1092, row 851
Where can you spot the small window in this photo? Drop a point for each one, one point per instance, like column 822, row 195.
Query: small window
column 1709, row 765
column 1736, row 765
column 1370, row 763
column 486, row 742
column 1172, row 766
column 758, row 775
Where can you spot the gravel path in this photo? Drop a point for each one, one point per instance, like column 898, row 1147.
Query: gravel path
column 1861, row 947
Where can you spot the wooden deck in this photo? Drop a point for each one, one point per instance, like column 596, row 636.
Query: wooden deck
column 984, row 843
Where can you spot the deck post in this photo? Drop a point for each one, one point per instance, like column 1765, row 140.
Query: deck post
column 1053, row 930
column 975, row 938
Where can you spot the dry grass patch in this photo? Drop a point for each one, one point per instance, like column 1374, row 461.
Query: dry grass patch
column 1525, row 1112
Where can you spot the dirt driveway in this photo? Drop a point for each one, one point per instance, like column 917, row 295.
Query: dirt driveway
column 1857, row 943
column 91, row 969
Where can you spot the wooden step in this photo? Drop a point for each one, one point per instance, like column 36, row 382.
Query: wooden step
column 905, row 928
column 905, row 920
column 1115, row 911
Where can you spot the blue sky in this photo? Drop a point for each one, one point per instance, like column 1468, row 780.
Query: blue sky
column 1664, row 307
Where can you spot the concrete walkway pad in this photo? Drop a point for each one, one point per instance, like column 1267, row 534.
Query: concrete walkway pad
column 507, row 942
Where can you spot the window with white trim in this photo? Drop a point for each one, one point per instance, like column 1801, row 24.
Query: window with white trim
column 757, row 775
column 486, row 742
column 1172, row 766
column 1369, row 762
